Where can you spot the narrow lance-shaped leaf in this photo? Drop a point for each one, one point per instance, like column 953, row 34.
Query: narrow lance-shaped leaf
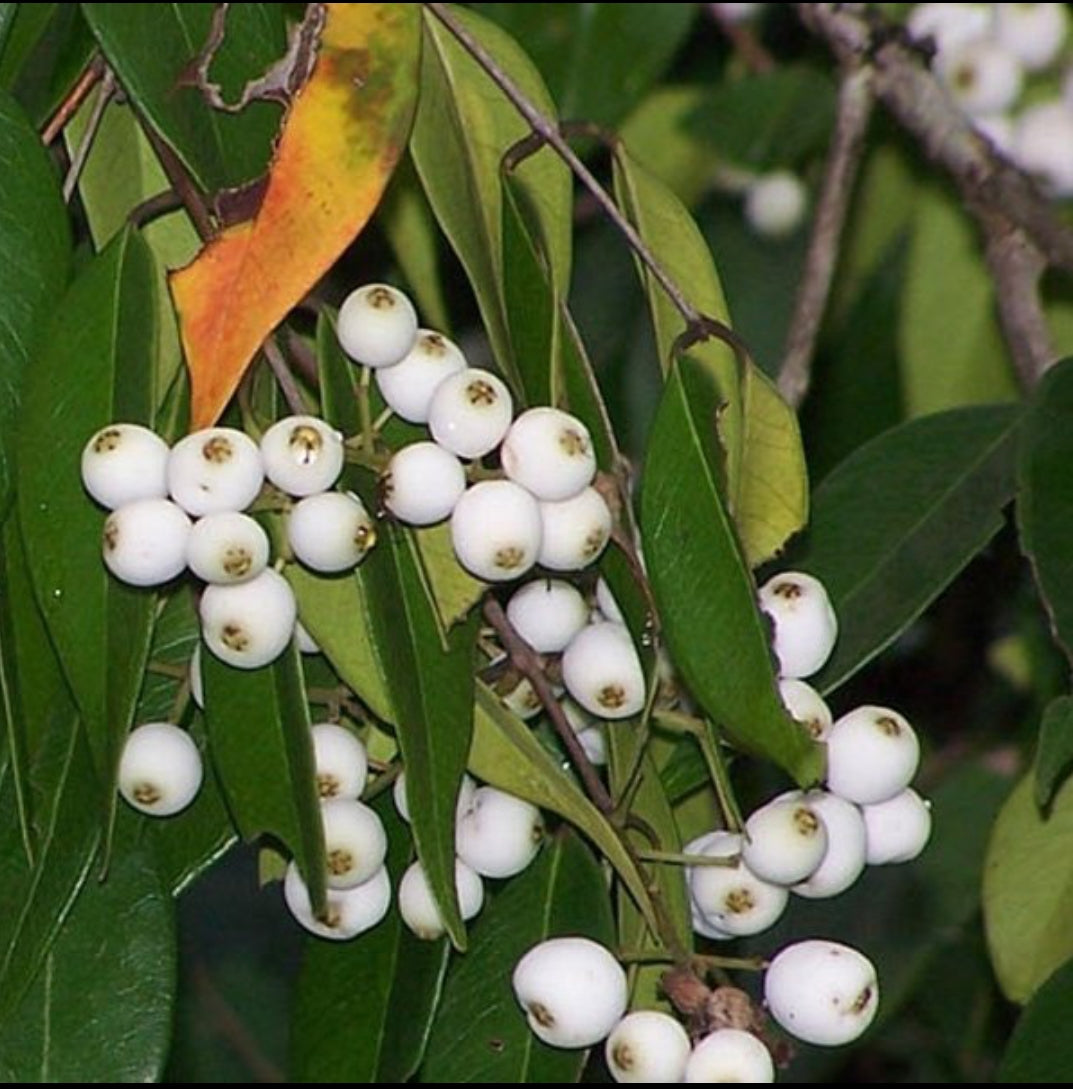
column 702, row 583
column 35, row 246
column 430, row 681
column 1045, row 497
column 341, row 140
column 464, row 125
column 262, row 747
column 894, row 524
column 481, row 1034
column 398, row 976
column 1054, row 755
column 96, row 368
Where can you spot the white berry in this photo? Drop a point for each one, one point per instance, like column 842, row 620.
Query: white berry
column 590, row 734
column 354, row 842
column 302, row 455
column 822, row 992
column 470, row 412
column 330, row 532
column 144, row 542
column 647, row 1046
column 350, row 911
column 806, row 706
column 216, row 469
column 573, row 991
column 547, row 614
column 1034, row 33
column 497, row 834
column 574, row 531
column 495, row 530
column 341, row 762
column 602, row 672
column 550, row 453
column 1043, row 145
column 249, row 624
column 804, row 622
column 785, row 841
column 983, row 77
column 160, row 769
column 124, row 462
column 872, row 754
column 419, row 909
column 845, row 857
column 408, row 387
column 897, row 829
column 422, row 483
column 227, row 547
column 730, row 1055
column 950, row 26
column 377, row 325
column 775, row 204
column 732, row 898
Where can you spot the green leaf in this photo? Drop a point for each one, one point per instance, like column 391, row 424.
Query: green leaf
column 894, row 524
column 1045, row 500
column 481, row 1034
column 464, row 125
column 454, row 590
column 35, row 248
column 570, row 45
column 398, row 977
column 1028, row 880
column 1040, row 1051
column 764, row 479
column 337, row 377
column 96, row 368
column 702, row 583
column 1055, row 753
column 336, row 612
column 7, row 19
column 507, row 754
column 150, row 46
column 262, row 747
column 430, row 682
column 951, row 344
column 100, row 1009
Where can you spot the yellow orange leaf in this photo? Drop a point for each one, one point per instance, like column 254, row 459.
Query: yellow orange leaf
column 342, row 137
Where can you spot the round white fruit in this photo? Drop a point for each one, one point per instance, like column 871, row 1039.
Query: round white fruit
column 495, row 530
column 422, row 483
column 822, row 992
column 497, row 834
column 844, row 860
column 125, row 462
column 550, row 453
column 785, row 841
column 983, row 77
column 1034, row 33
column 350, row 911
column 573, row 991
column 547, row 614
column 160, row 769
column 377, row 325
column 354, row 842
column 249, row 624
column 144, row 542
column 302, row 455
column 775, row 204
column 408, row 387
column 602, row 672
column 419, row 909
column 804, row 622
column 897, row 829
column 216, row 469
column 1042, row 145
column 806, row 706
column 647, row 1046
column 872, row 755
column 730, row 1055
column 470, row 412
column 227, row 547
column 330, row 532
column 342, row 765
column 732, row 898
column 574, row 531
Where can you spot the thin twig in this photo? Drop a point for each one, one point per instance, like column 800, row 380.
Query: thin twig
column 152, row 207
column 93, row 124
column 282, row 370
column 528, row 663
column 855, row 100
column 546, row 129
column 180, row 180
column 72, row 102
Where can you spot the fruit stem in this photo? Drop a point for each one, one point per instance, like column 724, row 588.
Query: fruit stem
column 677, row 858
column 365, row 411
column 287, row 384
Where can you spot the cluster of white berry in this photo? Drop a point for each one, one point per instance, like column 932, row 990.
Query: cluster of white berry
column 1005, row 66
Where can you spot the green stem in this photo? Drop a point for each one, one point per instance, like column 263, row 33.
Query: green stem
column 365, row 411
column 677, row 858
